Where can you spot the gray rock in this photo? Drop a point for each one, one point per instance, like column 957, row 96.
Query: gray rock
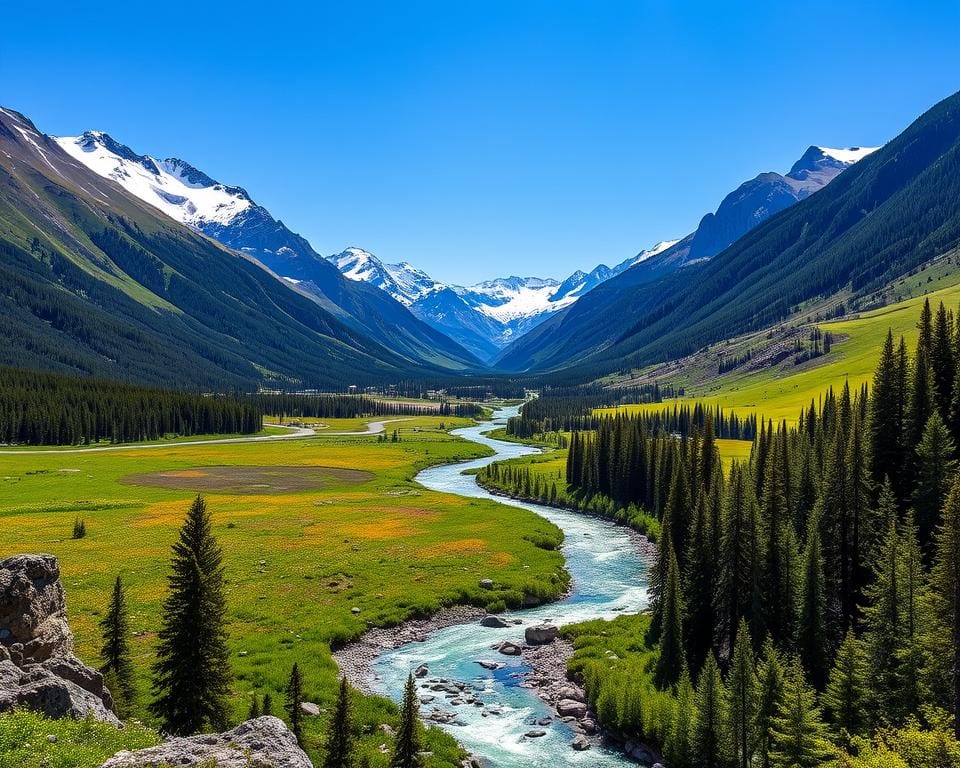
column 263, row 742
column 571, row 691
column 541, row 634
column 535, row 734
column 309, row 708
column 493, row 621
column 37, row 667
column 486, row 583
column 509, row 648
column 571, row 708
column 421, row 671
column 581, row 743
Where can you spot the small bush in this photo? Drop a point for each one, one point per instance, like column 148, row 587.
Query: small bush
column 79, row 528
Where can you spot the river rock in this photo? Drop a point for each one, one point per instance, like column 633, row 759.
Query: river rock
column 37, row 667
column 571, row 708
column 509, row 648
column 541, row 634
column 487, row 664
column 573, row 692
column 581, row 743
column 493, row 621
column 535, row 734
column 486, row 583
column 265, row 741
column 421, row 671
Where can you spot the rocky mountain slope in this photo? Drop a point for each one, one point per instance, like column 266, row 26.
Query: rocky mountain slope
column 896, row 208
column 229, row 215
column 95, row 281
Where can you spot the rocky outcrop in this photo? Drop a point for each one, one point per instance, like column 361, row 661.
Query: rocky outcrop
column 540, row 634
column 261, row 743
column 38, row 669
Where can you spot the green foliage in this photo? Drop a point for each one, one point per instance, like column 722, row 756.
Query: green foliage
column 935, row 468
column 25, row 741
column 115, row 655
column 191, row 676
column 407, row 747
column 339, row 742
column 846, row 697
column 293, row 703
column 710, row 726
column 79, row 529
column 798, row 735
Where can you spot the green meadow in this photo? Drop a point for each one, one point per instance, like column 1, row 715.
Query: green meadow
column 323, row 537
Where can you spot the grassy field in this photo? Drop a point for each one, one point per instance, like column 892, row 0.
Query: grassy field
column 854, row 355
column 298, row 560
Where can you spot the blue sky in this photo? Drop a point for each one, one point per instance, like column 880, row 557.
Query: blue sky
column 478, row 139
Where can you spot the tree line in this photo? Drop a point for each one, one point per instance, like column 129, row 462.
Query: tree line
column 55, row 409
column 833, row 555
column 331, row 406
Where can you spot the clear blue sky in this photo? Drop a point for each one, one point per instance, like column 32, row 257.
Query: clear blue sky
column 477, row 139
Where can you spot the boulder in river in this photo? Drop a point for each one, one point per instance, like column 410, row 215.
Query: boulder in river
column 494, row 622
column 509, row 648
column 541, row 634
column 581, row 743
column 571, row 708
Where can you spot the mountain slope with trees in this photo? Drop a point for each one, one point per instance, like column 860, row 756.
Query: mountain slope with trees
column 895, row 209
column 96, row 282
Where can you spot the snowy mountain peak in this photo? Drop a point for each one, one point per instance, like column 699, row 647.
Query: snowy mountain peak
column 405, row 283
column 850, row 155
column 174, row 186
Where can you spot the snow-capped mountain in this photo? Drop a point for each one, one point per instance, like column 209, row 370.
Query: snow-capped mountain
column 487, row 316
column 229, row 215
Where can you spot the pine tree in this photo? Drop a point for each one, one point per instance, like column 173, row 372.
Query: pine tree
column 798, row 735
column 406, row 750
column 117, row 665
column 191, row 677
column 670, row 661
column 678, row 746
column 710, row 745
column 942, row 363
column 267, row 708
column 699, row 584
column 919, row 405
column 812, row 640
column 254, row 712
column 779, row 575
column 942, row 611
column 742, row 691
column 769, row 696
column 293, row 703
column 935, row 469
column 846, row 697
column 339, row 744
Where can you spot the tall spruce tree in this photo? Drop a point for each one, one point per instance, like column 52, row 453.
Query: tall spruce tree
column 942, row 363
column 812, row 639
column 941, row 637
column 846, row 697
column 670, row 661
column 191, row 677
column 339, row 743
column 798, row 735
column 769, row 696
column 699, row 583
column 116, row 663
column 293, row 702
column 710, row 742
column 406, row 749
column 678, row 744
column 934, row 474
column 886, row 424
column 742, row 691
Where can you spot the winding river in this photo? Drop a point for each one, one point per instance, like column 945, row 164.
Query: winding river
column 609, row 578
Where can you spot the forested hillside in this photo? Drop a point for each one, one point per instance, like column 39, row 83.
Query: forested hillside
column 809, row 598
column 96, row 282
column 893, row 210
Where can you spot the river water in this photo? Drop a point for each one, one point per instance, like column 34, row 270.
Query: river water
column 608, row 578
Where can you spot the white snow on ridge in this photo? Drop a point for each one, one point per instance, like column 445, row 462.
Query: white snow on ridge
column 648, row 253
column 161, row 183
column 850, row 155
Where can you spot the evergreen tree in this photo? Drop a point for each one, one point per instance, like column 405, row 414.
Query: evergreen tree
column 846, row 697
column 769, row 695
column 339, row 744
column 710, row 745
column 293, row 703
column 678, row 746
column 699, row 584
column 117, row 665
column 942, row 363
column 742, row 691
column 919, row 404
column 254, row 712
column 267, row 708
column 934, row 474
column 812, row 632
column 798, row 735
column 670, row 661
column 942, row 611
column 779, row 575
column 406, row 750
column 191, row 677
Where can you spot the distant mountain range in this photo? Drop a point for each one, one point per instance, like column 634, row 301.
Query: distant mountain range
column 491, row 318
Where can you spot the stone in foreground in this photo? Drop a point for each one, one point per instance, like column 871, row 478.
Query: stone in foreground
column 541, row 634
column 258, row 743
